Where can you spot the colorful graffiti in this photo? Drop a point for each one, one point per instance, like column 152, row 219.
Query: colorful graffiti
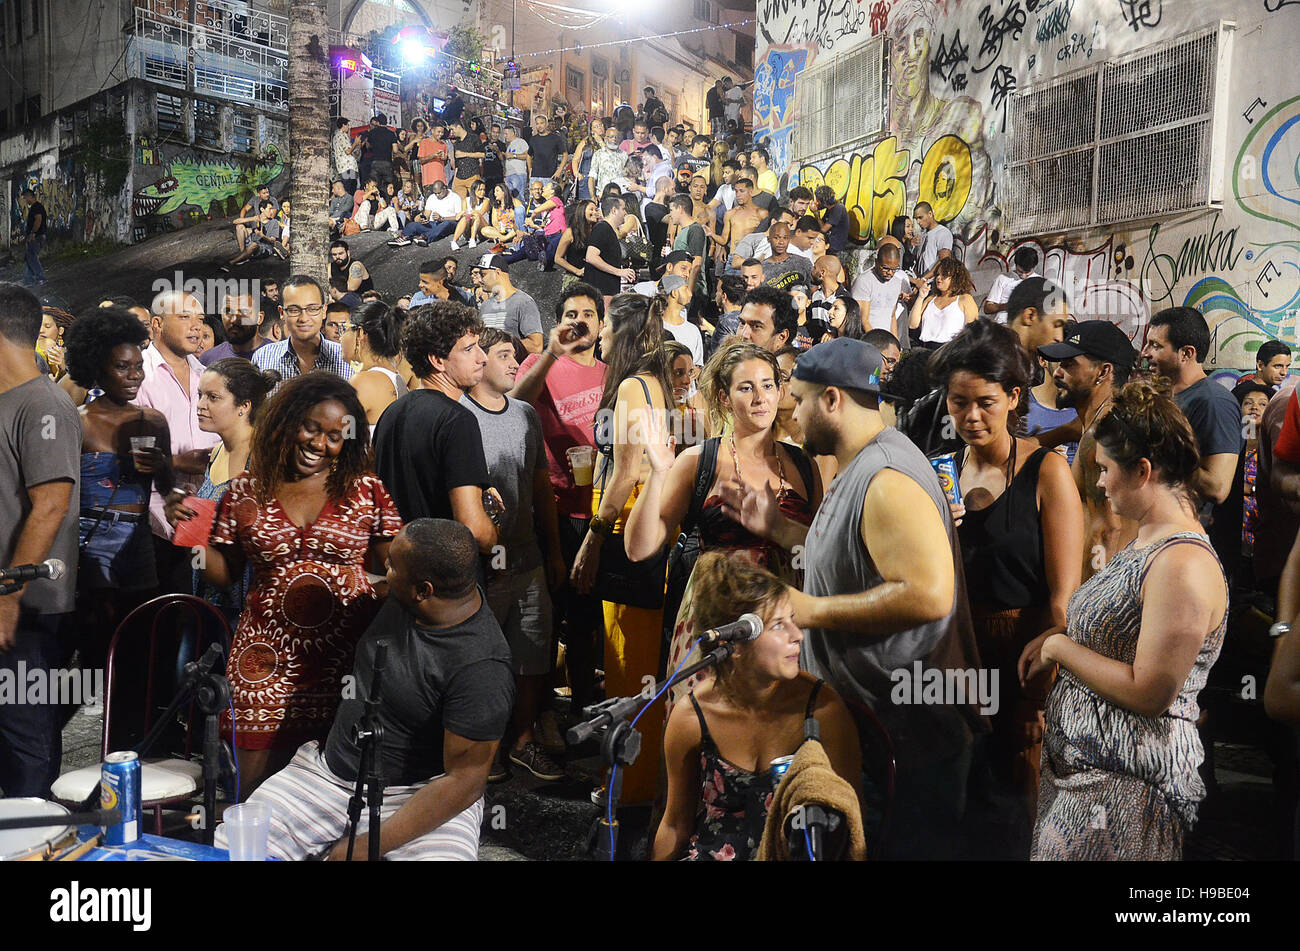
column 774, row 98
column 955, row 70
column 77, row 210
column 1270, row 160
column 211, row 186
column 873, row 187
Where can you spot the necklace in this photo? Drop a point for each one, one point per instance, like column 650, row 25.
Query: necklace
column 1087, row 427
column 780, row 466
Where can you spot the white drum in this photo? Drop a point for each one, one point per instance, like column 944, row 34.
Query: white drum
column 19, row 844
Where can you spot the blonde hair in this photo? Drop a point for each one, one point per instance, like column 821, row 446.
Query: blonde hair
column 716, row 377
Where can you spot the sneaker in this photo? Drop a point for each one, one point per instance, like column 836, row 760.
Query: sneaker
column 399, row 242
column 421, row 240
column 548, row 733
column 500, row 772
column 280, row 252
column 455, row 246
column 473, row 242
column 534, row 759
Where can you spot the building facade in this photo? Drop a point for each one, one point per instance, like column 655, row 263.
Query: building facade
column 592, row 69
column 1146, row 149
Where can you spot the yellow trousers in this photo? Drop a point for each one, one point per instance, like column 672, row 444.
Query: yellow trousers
column 632, row 642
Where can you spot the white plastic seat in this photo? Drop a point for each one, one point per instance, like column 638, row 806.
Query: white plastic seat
column 160, row 780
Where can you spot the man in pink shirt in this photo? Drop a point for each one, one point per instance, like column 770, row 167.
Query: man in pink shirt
column 565, row 383
column 640, row 138
column 171, row 386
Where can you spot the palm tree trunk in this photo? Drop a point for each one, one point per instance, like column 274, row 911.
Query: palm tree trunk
column 309, row 139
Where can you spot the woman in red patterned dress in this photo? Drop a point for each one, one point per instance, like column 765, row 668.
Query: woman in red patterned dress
column 310, row 522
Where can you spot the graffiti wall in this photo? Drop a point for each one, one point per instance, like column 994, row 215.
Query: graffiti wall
column 80, row 210
column 176, row 187
column 954, row 66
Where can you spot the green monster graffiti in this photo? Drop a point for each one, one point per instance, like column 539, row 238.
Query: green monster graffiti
column 189, row 181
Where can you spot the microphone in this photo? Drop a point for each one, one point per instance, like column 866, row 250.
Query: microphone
column 51, row 568
column 748, row 628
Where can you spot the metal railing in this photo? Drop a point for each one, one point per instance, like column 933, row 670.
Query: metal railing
column 218, row 55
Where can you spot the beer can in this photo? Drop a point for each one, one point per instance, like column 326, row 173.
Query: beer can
column 121, row 790
column 945, row 468
column 779, row 767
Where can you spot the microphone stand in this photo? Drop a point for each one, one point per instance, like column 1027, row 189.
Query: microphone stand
column 621, row 744
column 816, row 820
column 368, row 734
column 211, row 691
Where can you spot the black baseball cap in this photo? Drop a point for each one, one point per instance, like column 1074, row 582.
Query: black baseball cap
column 677, row 257
column 1099, row 339
column 852, row 364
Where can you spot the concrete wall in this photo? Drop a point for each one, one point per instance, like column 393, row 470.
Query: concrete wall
column 953, row 67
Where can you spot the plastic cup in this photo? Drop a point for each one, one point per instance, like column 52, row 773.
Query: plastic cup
column 138, row 443
column 247, row 827
column 581, row 461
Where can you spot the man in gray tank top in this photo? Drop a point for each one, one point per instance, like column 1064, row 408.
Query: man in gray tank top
column 884, row 602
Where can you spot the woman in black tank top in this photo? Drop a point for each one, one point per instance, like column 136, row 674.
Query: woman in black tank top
column 719, row 747
column 1021, row 530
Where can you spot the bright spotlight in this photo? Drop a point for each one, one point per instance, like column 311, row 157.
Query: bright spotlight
column 414, row 51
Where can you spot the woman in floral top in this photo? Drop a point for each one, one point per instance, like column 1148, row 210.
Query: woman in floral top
column 719, row 747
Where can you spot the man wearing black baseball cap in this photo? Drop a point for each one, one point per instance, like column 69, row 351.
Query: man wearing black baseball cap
column 886, row 521
column 1094, row 361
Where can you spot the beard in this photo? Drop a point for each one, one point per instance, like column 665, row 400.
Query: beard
column 1071, row 399
column 240, row 333
column 819, row 439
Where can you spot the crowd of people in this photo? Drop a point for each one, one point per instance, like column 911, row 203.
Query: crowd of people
column 993, row 532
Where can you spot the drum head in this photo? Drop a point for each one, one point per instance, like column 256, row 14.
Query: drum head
column 23, row 843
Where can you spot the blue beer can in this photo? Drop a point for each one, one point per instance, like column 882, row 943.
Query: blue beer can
column 121, row 790
column 779, row 767
column 945, row 467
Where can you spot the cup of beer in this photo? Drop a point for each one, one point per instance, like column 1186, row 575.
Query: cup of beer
column 138, row 443
column 581, row 461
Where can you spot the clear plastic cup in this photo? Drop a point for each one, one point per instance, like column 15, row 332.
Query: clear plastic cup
column 581, row 461
column 247, row 828
column 138, row 443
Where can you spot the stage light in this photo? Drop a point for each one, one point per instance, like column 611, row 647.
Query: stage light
column 414, row 51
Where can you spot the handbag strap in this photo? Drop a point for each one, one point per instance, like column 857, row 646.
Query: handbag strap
column 704, row 474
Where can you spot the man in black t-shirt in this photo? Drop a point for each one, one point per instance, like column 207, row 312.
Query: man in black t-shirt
column 382, row 142
column 715, row 104
column 604, row 270
column 550, row 151
column 835, row 219
column 445, row 698
column 37, row 219
column 428, row 448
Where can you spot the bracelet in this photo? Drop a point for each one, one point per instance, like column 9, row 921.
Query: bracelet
column 547, row 353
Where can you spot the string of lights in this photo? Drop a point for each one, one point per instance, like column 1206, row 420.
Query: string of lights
column 635, row 39
column 586, row 17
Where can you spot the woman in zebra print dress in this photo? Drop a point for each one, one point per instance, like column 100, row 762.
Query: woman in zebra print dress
column 1120, row 757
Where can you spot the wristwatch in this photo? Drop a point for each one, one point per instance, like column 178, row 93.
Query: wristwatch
column 1280, row 629
column 600, row 526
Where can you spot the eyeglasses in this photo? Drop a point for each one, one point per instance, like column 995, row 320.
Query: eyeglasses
column 888, row 270
column 293, row 310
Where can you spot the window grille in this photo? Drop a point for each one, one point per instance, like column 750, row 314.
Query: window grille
column 841, row 101
column 1121, row 141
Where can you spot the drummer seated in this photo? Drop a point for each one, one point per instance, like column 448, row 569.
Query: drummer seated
column 446, row 696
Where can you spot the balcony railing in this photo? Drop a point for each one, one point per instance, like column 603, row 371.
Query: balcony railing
column 230, row 52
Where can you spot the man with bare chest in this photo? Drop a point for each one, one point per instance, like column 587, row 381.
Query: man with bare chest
column 1095, row 361
column 742, row 219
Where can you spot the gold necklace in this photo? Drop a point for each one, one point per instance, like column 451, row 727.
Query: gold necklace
column 780, row 466
column 1109, row 400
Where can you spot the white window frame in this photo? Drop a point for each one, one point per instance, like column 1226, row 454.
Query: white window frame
column 816, row 106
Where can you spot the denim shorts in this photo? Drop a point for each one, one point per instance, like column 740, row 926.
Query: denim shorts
column 119, row 554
